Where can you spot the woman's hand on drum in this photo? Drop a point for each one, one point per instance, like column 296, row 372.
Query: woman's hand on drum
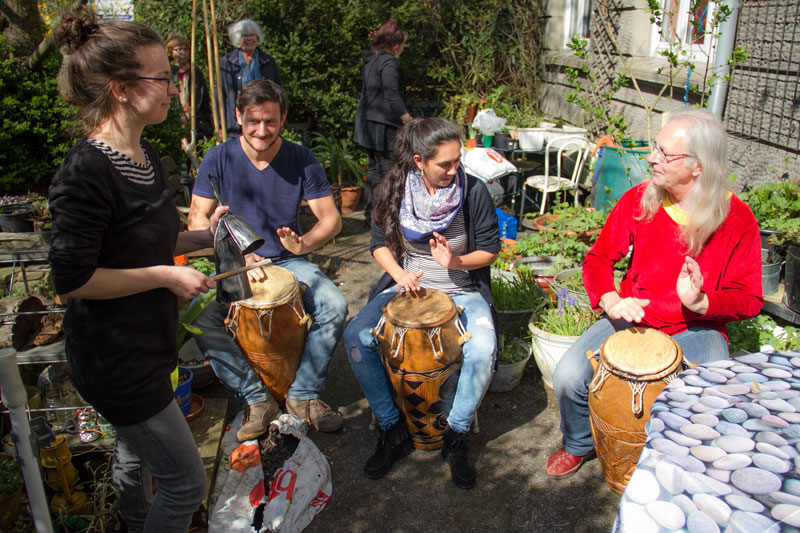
column 290, row 240
column 187, row 282
column 630, row 309
column 440, row 250
column 215, row 216
column 690, row 287
column 257, row 274
column 408, row 281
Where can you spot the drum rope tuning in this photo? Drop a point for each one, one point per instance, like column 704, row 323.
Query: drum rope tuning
column 232, row 323
column 637, row 387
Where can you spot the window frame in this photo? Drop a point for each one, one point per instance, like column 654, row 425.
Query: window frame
column 579, row 13
column 697, row 52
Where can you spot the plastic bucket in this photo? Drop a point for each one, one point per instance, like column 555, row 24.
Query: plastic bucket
column 15, row 218
column 617, row 170
column 531, row 138
column 792, row 278
column 183, row 392
column 770, row 273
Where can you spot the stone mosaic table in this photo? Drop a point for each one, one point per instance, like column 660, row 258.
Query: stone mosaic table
column 722, row 451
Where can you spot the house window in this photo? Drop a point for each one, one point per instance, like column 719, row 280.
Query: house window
column 685, row 22
column 577, row 17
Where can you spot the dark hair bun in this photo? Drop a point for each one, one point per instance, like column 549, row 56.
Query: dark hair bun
column 75, row 29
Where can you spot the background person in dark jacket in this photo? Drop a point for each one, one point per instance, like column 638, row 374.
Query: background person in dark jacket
column 381, row 109
column 242, row 65
column 178, row 49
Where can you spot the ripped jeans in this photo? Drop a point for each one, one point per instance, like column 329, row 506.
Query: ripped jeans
column 476, row 372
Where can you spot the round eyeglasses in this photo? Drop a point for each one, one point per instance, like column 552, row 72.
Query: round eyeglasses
column 665, row 158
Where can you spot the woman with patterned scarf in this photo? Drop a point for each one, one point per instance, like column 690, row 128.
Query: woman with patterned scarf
column 433, row 227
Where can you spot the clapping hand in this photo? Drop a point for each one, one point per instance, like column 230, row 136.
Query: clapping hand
column 290, row 240
column 440, row 250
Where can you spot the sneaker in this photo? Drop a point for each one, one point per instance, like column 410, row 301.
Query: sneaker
column 562, row 464
column 454, row 451
column 394, row 443
column 316, row 413
column 256, row 419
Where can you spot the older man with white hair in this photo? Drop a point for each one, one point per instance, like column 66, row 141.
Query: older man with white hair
column 695, row 265
column 242, row 65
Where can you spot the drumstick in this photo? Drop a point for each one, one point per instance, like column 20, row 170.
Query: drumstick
column 241, row 270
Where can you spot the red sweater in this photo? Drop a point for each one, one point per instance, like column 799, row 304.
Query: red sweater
column 730, row 263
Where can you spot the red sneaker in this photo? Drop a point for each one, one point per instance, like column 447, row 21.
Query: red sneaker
column 562, row 464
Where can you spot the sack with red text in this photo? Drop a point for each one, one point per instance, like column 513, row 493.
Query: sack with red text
column 297, row 478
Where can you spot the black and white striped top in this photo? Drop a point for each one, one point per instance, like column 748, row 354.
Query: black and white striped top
column 136, row 172
column 418, row 257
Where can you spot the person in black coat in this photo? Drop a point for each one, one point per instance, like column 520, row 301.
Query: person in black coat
column 242, row 65
column 178, row 49
column 381, row 109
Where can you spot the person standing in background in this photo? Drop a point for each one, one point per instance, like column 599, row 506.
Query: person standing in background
column 178, row 47
column 381, row 109
column 242, row 65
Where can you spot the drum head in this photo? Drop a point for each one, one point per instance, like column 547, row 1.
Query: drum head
column 277, row 289
column 422, row 309
column 643, row 354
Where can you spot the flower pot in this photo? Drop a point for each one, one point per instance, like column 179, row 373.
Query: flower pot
column 513, row 323
column 531, row 138
column 580, row 298
column 770, row 272
column 791, row 277
column 542, row 222
column 472, row 143
column 488, row 140
column 183, row 392
column 548, row 349
column 541, row 267
column 765, row 235
column 508, row 375
column 15, row 218
column 617, row 170
column 350, row 198
column 501, row 140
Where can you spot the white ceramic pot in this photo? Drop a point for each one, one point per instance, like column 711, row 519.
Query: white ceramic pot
column 548, row 349
column 508, row 375
column 531, row 138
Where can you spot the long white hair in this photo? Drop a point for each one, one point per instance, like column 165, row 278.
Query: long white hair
column 708, row 204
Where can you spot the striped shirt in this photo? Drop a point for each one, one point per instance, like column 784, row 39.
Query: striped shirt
column 142, row 174
column 418, row 256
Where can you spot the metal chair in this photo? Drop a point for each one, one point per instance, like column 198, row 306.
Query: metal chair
column 552, row 183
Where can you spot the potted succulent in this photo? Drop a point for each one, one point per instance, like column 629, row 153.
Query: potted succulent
column 512, row 357
column 341, row 160
column 555, row 330
column 11, row 499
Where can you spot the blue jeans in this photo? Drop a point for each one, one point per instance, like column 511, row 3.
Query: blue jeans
column 161, row 447
column 476, row 372
column 573, row 374
column 328, row 309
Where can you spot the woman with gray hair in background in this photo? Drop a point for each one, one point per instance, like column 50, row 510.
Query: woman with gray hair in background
column 242, row 65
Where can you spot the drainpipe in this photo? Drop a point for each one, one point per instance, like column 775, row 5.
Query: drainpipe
column 15, row 397
column 727, row 38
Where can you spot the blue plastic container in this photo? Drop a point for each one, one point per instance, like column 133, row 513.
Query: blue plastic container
column 617, row 170
column 507, row 224
column 183, row 393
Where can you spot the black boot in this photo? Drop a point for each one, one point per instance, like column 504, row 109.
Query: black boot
column 393, row 443
column 454, row 451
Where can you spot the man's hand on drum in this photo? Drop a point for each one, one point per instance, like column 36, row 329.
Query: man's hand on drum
column 408, row 281
column 256, row 274
column 187, row 282
column 616, row 307
column 290, row 240
column 440, row 250
column 690, row 287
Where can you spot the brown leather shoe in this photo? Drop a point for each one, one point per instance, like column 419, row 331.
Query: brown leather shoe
column 256, row 419
column 316, row 413
column 562, row 464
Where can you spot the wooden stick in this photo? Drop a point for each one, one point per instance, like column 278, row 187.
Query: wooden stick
column 241, row 270
column 211, row 78
column 220, row 88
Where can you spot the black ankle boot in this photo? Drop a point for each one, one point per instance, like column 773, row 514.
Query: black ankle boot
column 454, row 451
column 394, row 443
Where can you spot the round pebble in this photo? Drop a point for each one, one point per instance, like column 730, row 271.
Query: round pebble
column 743, row 368
column 670, row 476
column 667, row 514
column 715, row 377
column 792, row 486
column 699, row 431
column 704, row 418
column 792, row 418
column 676, row 383
column 689, row 463
column 776, row 421
column 643, row 487
column 679, row 396
column 766, row 394
column 685, row 503
column 683, row 406
column 689, row 372
column 751, row 377
column 690, row 389
column 784, row 497
column 715, row 402
column 755, row 481
column 722, row 363
column 769, row 462
column 787, row 513
column 752, row 358
column 707, row 484
column 697, row 381
column 685, row 413
column 778, row 405
column 735, row 443
column 726, row 428
column 776, row 373
column 654, row 425
column 698, row 407
column 788, row 394
column 795, row 361
column 707, row 453
column 794, row 402
column 753, row 409
column 790, row 451
column 744, row 503
column 755, row 424
column 737, row 416
column 744, row 522
column 630, row 512
column 734, row 389
column 771, row 437
column 714, row 507
column 733, row 461
column 720, row 475
column 765, row 447
column 672, row 420
column 668, row 447
column 722, row 371
column 681, row 439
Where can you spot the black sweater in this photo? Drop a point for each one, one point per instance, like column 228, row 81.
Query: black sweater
column 120, row 350
column 383, row 91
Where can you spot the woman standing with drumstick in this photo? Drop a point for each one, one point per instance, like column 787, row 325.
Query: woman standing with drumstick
column 115, row 233
column 435, row 227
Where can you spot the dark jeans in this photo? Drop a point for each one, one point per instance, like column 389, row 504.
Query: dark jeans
column 379, row 165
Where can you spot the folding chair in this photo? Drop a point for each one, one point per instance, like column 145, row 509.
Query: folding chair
column 552, row 183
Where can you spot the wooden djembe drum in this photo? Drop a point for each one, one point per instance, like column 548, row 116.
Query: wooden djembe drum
column 421, row 336
column 633, row 368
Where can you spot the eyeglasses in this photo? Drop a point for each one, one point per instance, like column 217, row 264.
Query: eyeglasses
column 665, row 158
column 166, row 80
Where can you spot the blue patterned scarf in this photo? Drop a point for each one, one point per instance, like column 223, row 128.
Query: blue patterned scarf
column 249, row 72
column 421, row 214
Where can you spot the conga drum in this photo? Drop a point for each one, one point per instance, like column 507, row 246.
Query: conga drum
column 633, row 368
column 271, row 328
column 421, row 336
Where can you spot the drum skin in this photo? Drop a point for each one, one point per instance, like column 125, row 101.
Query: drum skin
column 618, row 431
column 424, row 384
column 271, row 329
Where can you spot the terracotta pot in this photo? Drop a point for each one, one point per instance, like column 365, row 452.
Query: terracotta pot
column 350, row 198
column 472, row 143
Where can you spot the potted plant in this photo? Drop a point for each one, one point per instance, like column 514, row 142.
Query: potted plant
column 585, row 222
column 555, row 330
column 512, row 356
column 775, row 205
column 516, row 300
column 15, row 214
column 10, row 491
column 788, row 242
column 341, row 160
